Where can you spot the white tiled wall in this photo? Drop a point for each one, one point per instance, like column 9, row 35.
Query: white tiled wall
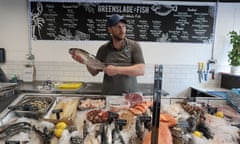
column 176, row 78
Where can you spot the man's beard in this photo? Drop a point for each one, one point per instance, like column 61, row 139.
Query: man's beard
column 119, row 37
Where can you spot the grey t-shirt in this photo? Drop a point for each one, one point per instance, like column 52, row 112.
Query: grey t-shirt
column 129, row 54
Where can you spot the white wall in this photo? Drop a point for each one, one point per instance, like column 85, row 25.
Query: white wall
column 14, row 29
column 180, row 59
column 15, row 38
column 227, row 20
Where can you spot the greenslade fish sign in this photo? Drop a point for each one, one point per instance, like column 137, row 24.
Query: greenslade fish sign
column 146, row 21
column 123, row 9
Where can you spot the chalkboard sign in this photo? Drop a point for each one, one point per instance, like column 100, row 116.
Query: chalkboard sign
column 149, row 21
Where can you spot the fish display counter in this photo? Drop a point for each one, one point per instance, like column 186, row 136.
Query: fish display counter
column 69, row 118
column 37, row 118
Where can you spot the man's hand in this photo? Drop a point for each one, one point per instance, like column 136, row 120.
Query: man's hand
column 111, row 70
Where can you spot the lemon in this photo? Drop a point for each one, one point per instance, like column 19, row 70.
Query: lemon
column 61, row 125
column 58, row 132
column 197, row 133
column 219, row 114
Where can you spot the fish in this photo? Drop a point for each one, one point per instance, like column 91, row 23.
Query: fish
column 165, row 136
column 164, row 10
column 89, row 59
column 140, row 108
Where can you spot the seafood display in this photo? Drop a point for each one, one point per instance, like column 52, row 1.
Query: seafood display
column 13, row 129
column 92, row 103
column 140, row 108
column 33, row 106
column 115, row 104
column 134, row 98
column 65, row 110
column 27, row 131
column 72, row 119
column 165, row 136
column 97, row 116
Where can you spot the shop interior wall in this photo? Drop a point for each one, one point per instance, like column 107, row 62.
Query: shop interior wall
column 14, row 37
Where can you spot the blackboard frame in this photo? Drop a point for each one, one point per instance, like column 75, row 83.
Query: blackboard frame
column 181, row 24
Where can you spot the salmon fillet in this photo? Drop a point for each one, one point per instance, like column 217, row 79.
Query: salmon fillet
column 165, row 136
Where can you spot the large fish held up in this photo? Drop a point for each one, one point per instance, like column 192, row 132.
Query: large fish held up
column 88, row 59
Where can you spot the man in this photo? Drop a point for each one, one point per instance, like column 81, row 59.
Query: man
column 123, row 58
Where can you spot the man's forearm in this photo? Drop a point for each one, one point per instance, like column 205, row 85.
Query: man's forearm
column 134, row 70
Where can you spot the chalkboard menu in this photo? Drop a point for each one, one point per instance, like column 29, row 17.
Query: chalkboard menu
column 149, row 21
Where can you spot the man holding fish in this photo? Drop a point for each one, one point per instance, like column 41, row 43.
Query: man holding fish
column 123, row 59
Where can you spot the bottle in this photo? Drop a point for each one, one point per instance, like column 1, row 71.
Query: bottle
column 14, row 78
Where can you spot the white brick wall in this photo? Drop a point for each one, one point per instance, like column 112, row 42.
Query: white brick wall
column 176, row 78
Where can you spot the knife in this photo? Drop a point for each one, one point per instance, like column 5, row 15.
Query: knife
column 199, row 72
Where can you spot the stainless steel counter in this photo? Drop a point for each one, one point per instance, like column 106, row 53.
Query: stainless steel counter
column 89, row 88
column 7, row 94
